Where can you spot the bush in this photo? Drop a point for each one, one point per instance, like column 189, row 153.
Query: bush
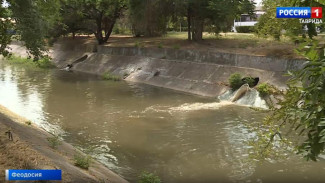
column 250, row 81
column 54, row 142
column 235, row 81
column 245, row 29
column 264, row 89
column 147, row 177
column 44, row 62
column 28, row 123
column 111, row 77
column 82, row 161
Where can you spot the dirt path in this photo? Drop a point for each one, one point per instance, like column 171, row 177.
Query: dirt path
column 30, row 150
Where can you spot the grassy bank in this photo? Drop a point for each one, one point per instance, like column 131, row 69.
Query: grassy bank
column 43, row 63
column 239, row 43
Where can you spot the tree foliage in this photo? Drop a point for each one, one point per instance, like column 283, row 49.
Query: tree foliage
column 303, row 107
column 33, row 21
column 269, row 25
column 102, row 16
column 5, row 27
column 217, row 14
column 150, row 17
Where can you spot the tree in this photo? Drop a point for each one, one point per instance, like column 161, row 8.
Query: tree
column 5, row 27
column 34, row 20
column 269, row 25
column 150, row 17
column 217, row 14
column 302, row 109
column 72, row 18
column 102, row 16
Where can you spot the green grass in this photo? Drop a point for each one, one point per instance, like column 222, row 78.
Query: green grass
column 54, row 142
column 82, row 161
column 110, row 77
column 147, row 177
column 43, row 63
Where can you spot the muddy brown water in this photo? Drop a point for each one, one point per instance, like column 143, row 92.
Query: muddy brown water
column 133, row 128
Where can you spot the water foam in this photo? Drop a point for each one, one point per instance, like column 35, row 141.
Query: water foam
column 200, row 106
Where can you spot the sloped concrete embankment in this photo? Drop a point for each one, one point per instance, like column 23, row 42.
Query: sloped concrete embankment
column 197, row 72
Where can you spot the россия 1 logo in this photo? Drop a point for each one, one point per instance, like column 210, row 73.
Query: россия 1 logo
column 306, row 14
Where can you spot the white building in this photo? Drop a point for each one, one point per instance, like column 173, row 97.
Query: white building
column 247, row 20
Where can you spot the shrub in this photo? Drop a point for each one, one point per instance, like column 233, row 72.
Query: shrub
column 54, row 142
column 235, row 81
column 264, row 89
column 250, row 81
column 82, row 161
column 44, row 62
column 245, row 29
column 28, row 123
column 147, row 177
column 111, row 77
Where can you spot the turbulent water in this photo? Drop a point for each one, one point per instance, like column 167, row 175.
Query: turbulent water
column 249, row 98
column 133, row 128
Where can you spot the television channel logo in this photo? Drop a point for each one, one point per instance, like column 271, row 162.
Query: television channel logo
column 299, row 12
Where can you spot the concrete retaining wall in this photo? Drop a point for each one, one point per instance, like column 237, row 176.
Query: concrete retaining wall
column 238, row 60
column 197, row 72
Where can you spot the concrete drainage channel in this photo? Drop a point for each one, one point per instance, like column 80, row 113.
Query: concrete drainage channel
column 197, row 72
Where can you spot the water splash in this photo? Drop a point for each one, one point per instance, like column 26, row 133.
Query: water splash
column 250, row 98
column 200, row 106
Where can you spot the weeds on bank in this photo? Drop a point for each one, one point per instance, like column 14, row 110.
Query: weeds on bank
column 28, row 123
column 82, row 161
column 236, row 81
column 138, row 44
column 54, row 142
column 43, row 63
column 110, row 77
column 147, row 177
column 266, row 89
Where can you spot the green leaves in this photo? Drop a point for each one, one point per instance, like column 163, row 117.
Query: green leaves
column 304, row 103
column 269, row 25
column 34, row 19
column 5, row 27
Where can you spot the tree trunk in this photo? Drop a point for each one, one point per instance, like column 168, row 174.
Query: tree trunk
column 109, row 29
column 197, row 29
column 98, row 33
column 73, row 35
column 189, row 36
